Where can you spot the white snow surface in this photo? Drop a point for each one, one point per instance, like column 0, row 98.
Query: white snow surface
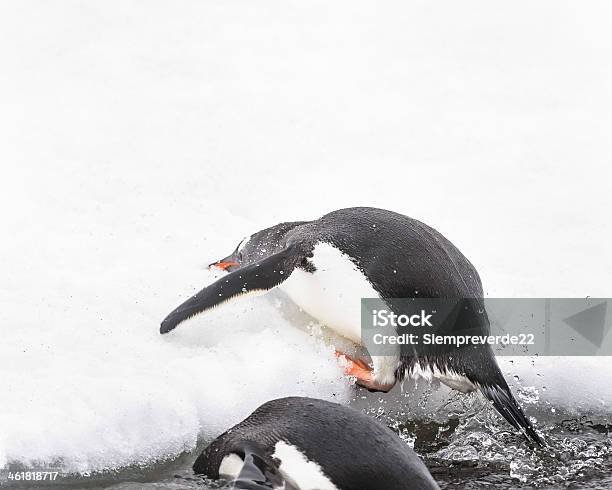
column 142, row 140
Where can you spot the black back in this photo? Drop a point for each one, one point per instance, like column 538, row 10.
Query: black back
column 355, row 451
column 400, row 256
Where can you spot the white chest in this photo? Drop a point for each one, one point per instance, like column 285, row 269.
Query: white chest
column 296, row 467
column 332, row 294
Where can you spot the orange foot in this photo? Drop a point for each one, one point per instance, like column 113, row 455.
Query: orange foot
column 363, row 373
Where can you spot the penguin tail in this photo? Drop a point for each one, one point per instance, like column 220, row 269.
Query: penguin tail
column 480, row 369
column 505, row 403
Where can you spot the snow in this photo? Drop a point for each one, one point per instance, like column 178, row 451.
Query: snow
column 142, row 140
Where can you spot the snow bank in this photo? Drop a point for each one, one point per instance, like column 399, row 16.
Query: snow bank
column 86, row 394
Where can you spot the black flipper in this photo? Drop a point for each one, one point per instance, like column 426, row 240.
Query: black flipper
column 262, row 275
column 259, row 472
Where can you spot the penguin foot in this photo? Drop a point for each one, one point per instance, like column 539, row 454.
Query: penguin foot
column 351, row 361
column 356, row 367
column 363, row 373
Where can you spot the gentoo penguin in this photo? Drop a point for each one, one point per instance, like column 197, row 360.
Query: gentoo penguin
column 327, row 265
column 309, row 444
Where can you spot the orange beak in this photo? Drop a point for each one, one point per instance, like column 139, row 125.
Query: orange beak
column 225, row 265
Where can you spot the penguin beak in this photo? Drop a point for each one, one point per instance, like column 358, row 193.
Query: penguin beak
column 224, row 265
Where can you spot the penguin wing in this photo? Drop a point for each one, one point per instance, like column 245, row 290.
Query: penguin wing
column 262, row 275
column 259, row 472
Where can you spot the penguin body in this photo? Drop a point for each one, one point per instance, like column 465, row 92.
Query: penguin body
column 307, row 444
column 328, row 265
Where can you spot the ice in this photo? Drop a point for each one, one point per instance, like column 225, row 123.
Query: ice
column 142, row 141
column 90, row 396
column 555, row 388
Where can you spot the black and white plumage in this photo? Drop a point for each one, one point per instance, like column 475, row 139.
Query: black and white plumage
column 327, row 265
column 306, row 444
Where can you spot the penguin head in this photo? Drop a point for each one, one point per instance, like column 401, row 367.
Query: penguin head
column 252, row 248
column 233, row 260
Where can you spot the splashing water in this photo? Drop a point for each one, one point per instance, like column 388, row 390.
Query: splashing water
column 463, row 439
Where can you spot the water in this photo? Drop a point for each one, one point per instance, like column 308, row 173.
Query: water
column 463, row 441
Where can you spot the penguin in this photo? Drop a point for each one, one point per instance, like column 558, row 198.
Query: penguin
column 301, row 443
column 328, row 265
